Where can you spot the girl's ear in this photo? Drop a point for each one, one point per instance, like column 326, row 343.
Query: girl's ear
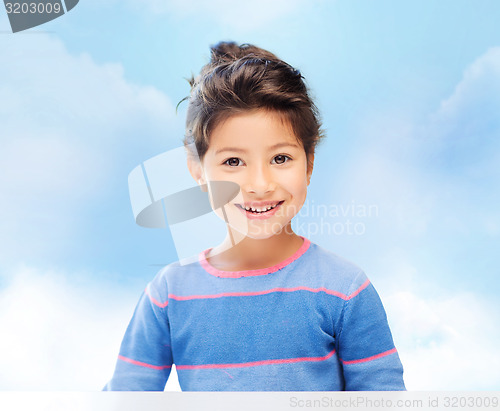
column 196, row 171
column 310, row 166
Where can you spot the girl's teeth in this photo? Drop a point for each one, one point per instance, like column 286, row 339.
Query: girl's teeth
column 260, row 210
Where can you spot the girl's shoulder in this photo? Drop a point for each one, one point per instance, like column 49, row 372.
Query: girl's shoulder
column 331, row 270
column 178, row 270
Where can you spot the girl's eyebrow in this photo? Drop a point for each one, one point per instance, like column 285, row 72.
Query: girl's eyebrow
column 242, row 150
column 279, row 145
column 239, row 150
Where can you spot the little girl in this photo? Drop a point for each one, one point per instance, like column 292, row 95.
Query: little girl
column 266, row 309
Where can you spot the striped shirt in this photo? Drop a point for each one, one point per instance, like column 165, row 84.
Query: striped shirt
column 311, row 323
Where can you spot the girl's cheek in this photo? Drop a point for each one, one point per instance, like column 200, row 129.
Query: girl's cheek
column 211, row 173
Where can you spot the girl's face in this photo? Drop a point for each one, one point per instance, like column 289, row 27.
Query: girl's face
column 259, row 152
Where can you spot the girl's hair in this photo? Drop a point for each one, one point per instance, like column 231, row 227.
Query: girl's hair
column 242, row 78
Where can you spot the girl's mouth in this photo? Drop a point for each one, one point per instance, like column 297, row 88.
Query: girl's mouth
column 260, row 212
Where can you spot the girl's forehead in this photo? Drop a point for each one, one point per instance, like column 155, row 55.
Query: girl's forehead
column 256, row 129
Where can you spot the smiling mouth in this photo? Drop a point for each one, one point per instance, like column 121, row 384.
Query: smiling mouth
column 260, row 210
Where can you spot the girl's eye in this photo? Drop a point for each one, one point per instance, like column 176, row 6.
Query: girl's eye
column 233, row 162
column 280, row 159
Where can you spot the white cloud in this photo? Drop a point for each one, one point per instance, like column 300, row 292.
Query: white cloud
column 44, row 88
column 465, row 129
column 61, row 333
column 478, row 90
column 446, row 343
column 439, row 176
column 67, row 123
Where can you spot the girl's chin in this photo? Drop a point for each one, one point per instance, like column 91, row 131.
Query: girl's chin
column 260, row 233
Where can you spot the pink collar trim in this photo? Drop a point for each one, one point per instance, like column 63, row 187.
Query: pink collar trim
column 249, row 273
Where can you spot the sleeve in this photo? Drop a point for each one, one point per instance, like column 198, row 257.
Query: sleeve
column 366, row 349
column 145, row 358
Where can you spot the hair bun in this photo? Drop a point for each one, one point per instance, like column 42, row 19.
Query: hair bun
column 228, row 51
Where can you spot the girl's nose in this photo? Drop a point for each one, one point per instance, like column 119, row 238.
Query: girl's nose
column 259, row 180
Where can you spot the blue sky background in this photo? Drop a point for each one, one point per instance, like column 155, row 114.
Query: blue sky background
column 410, row 98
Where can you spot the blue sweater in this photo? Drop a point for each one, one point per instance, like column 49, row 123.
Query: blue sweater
column 311, row 323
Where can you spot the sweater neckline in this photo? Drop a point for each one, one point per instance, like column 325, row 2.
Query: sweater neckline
column 251, row 273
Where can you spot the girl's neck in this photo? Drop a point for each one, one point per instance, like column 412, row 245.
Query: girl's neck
column 251, row 254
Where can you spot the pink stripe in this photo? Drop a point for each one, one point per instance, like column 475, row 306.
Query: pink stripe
column 248, row 273
column 254, row 363
column 143, row 364
column 154, row 301
column 363, row 286
column 384, row 354
column 273, row 290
